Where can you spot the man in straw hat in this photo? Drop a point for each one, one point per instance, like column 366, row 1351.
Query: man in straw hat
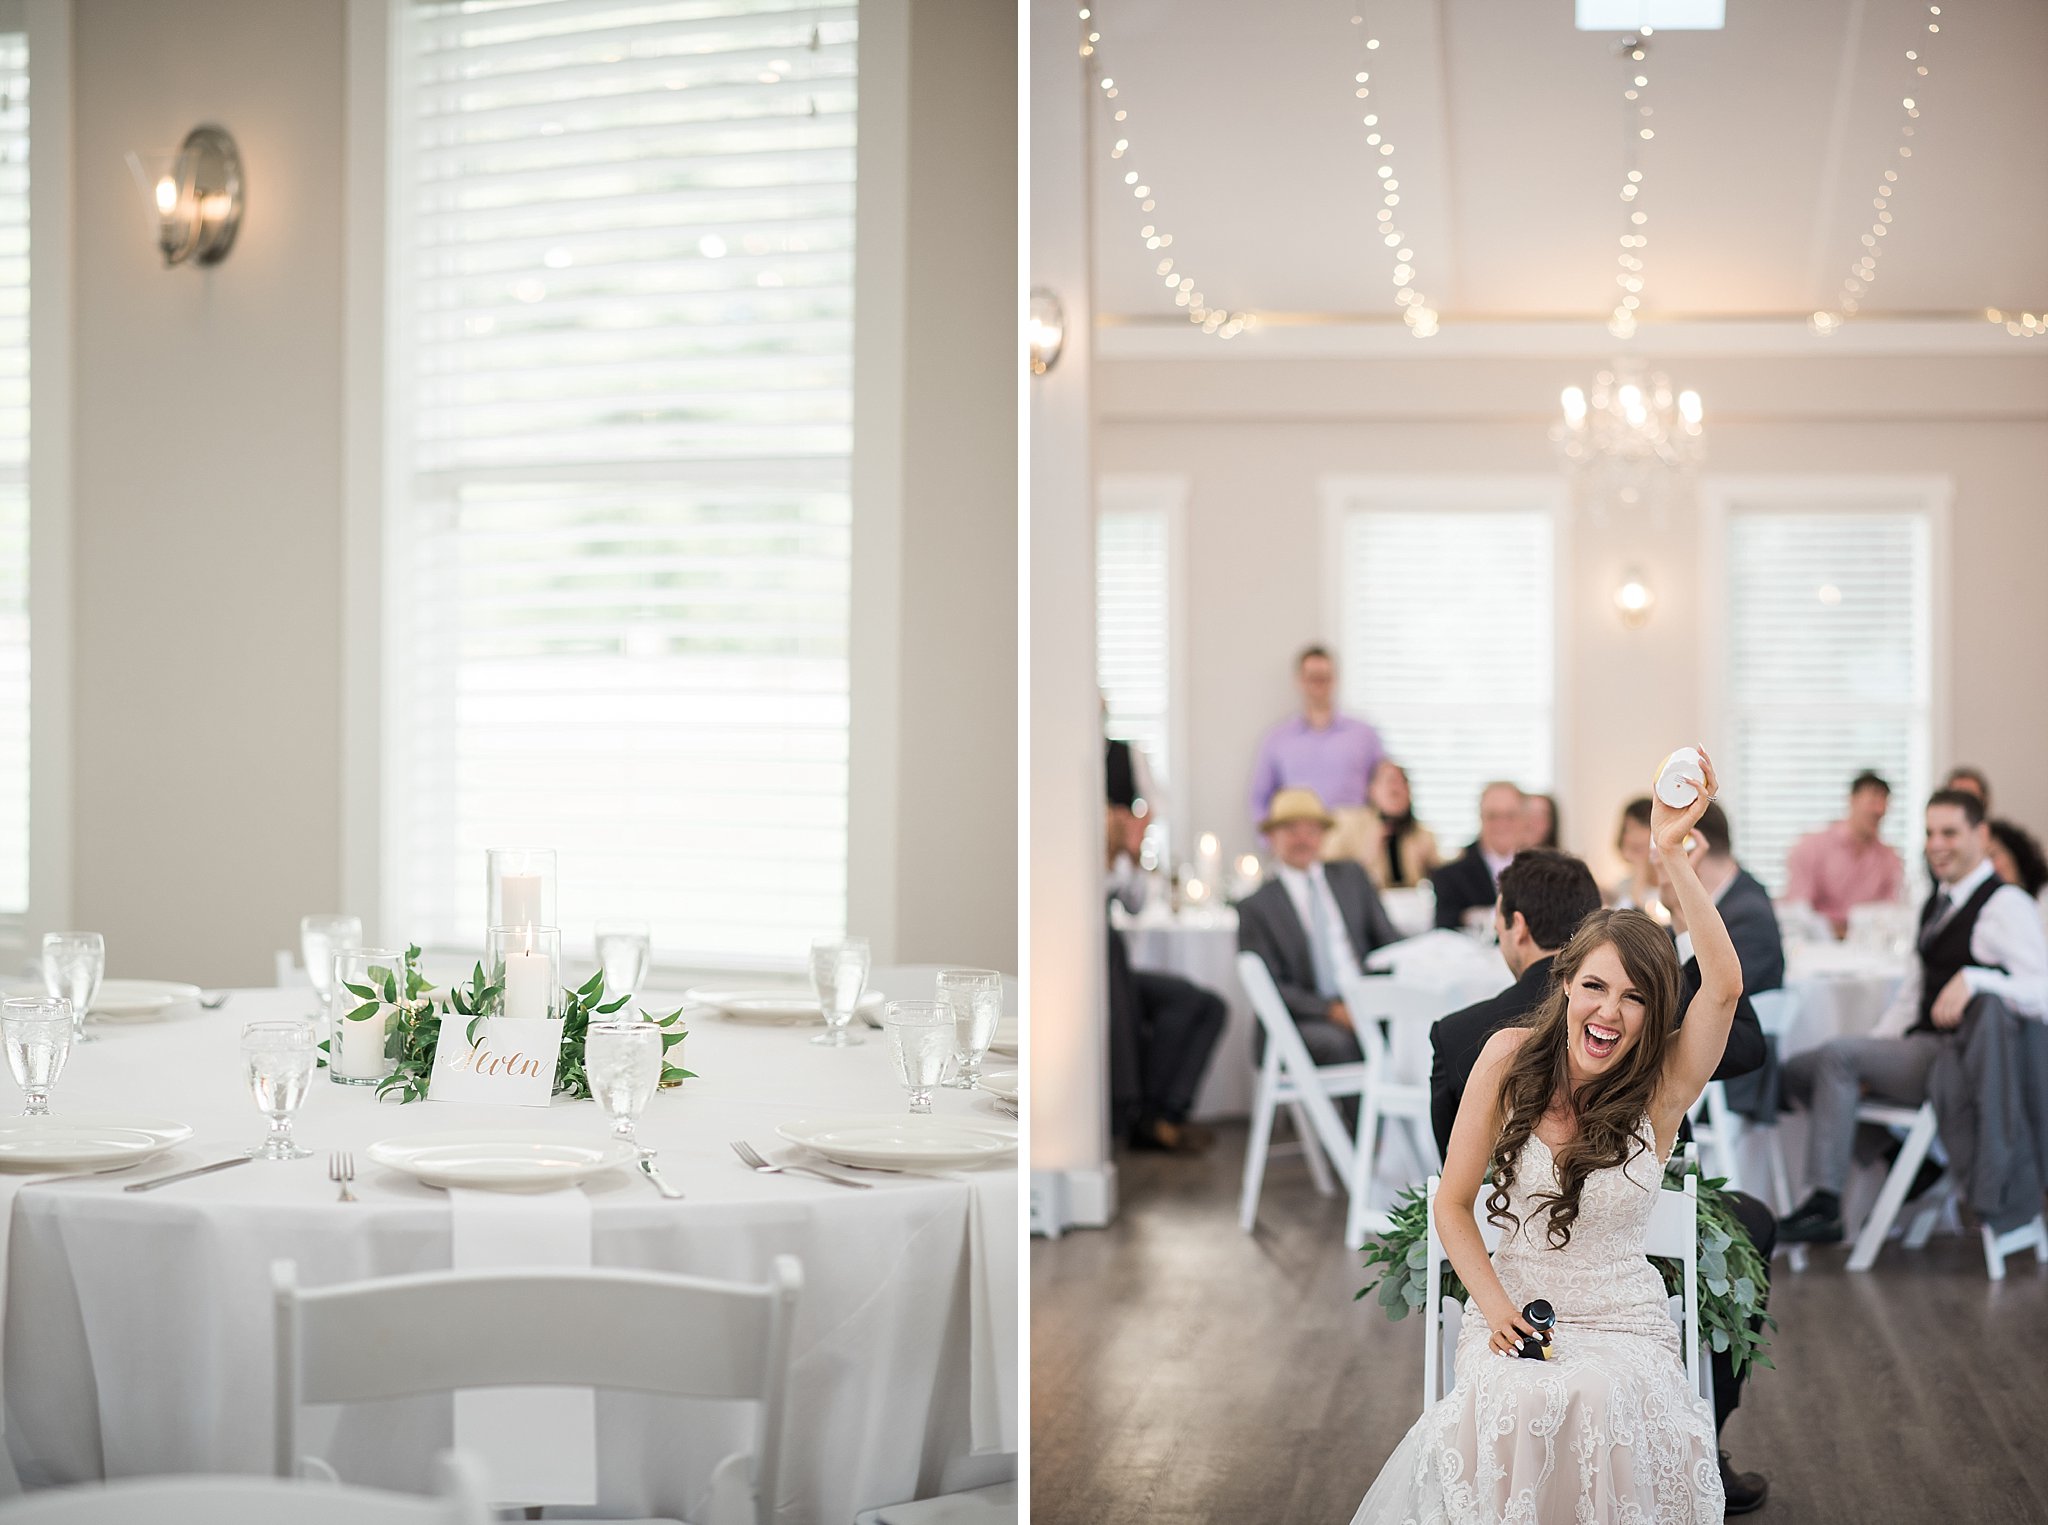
column 1313, row 923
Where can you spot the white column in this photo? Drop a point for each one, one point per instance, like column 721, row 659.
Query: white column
column 1073, row 1181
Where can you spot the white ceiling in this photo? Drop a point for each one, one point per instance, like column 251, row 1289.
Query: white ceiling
column 1771, row 137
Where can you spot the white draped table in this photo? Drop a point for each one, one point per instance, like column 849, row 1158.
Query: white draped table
column 138, row 1325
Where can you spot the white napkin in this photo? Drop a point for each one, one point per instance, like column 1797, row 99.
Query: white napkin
column 539, row 1444
column 992, row 1314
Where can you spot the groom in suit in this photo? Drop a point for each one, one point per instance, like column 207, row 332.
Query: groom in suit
column 1313, row 923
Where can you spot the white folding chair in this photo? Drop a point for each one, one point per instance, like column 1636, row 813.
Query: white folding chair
column 1408, row 1011
column 1717, row 1128
column 459, row 1500
column 1673, row 1231
column 1777, row 1011
column 1289, row 1077
column 1920, row 1125
column 634, row 1331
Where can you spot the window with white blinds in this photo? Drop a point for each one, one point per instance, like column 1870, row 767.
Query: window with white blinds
column 14, row 539
column 1134, row 621
column 1446, row 643
column 622, row 274
column 1829, row 636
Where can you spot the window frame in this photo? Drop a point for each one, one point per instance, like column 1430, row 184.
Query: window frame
column 1166, row 494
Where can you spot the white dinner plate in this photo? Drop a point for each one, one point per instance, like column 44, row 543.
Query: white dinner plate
column 903, row 1141
column 1001, row 1083
column 125, row 999
column 1006, row 1039
column 776, row 1008
column 81, row 1139
column 500, row 1161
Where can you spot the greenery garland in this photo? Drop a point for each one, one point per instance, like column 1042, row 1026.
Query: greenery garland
column 1732, row 1276
column 415, row 1031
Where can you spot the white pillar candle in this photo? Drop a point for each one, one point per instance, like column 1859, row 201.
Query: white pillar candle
column 526, row 984
column 361, row 1054
column 519, row 897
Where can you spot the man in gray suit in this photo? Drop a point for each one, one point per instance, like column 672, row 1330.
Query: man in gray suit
column 1313, row 923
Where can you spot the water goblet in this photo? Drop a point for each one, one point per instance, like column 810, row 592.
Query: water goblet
column 623, row 949
column 975, row 997
column 839, row 970
column 921, row 1042
column 37, row 1033
column 278, row 1057
column 623, row 1063
column 73, row 965
column 321, row 936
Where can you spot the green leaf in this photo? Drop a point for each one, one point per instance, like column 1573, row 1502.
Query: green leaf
column 605, row 1011
column 364, row 991
column 1719, row 1340
column 592, row 986
column 363, row 1012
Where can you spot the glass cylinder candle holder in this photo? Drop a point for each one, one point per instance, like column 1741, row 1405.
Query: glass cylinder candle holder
column 369, row 988
column 526, row 963
column 519, row 885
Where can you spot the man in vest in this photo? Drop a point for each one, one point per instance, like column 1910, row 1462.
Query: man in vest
column 1978, row 936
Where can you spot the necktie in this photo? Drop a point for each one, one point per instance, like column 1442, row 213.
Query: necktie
column 1319, row 947
column 1944, row 908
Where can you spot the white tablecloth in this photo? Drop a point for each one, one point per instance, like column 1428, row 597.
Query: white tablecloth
column 138, row 1324
column 1843, row 991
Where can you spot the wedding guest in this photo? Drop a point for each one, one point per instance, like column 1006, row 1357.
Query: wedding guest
column 1544, row 898
column 1971, row 781
column 1396, row 849
column 1978, row 936
column 1162, row 1029
column 1319, row 749
column 1637, row 888
column 1466, row 885
column 1539, row 820
column 1845, row 865
column 1313, row 923
column 2018, row 857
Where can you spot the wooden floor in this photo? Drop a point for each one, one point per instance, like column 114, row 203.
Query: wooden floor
column 1183, row 1371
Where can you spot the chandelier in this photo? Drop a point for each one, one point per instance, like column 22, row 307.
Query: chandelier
column 1630, row 439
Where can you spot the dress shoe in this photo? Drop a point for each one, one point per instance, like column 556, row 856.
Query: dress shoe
column 1818, row 1221
column 1744, row 1490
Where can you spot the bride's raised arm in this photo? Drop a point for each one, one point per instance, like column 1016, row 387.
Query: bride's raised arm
column 1696, row 1054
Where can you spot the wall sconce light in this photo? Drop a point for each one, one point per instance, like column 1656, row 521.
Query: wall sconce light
column 1047, row 330
column 1634, row 599
column 194, row 196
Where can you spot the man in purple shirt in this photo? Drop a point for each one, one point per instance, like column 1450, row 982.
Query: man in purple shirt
column 1318, row 749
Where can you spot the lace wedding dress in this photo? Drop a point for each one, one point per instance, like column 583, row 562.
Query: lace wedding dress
column 1607, row 1429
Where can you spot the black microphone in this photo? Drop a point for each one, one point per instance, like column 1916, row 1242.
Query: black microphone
column 1542, row 1318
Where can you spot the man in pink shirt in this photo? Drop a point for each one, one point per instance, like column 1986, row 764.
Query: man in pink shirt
column 1845, row 864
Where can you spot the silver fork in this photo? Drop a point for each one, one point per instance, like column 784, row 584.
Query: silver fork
column 215, row 1001
column 754, row 1162
column 341, row 1167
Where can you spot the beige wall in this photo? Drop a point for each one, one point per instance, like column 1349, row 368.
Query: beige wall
column 206, row 518
column 1254, row 438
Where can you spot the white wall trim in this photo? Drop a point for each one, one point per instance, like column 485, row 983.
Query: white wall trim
column 1064, row 1199
column 1343, row 337
column 880, row 368
column 1166, row 494
column 48, row 26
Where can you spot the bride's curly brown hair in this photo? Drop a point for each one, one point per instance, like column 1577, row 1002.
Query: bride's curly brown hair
column 1610, row 1106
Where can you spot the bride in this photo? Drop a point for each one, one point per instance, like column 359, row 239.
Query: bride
column 1576, row 1115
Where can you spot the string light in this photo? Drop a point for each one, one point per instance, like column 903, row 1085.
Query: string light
column 1416, row 310
column 1221, row 322
column 1862, row 272
column 1636, row 131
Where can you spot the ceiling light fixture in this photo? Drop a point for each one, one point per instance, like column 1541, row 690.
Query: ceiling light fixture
column 1416, row 310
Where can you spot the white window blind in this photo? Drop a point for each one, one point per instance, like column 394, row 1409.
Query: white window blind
column 1134, row 625
column 14, row 541
column 622, row 268
column 1828, row 659
column 1446, row 638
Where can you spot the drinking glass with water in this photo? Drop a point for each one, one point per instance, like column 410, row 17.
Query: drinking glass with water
column 839, row 972
column 921, row 1042
column 975, row 997
column 37, row 1033
column 623, row 950
column 73, row 964
column 622, row 1061
column 321, row 936
column 278, row 1058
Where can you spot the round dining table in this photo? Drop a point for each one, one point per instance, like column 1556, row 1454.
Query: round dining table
column 137, row 1331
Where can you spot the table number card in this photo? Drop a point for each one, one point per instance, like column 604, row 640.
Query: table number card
column 511, row 1064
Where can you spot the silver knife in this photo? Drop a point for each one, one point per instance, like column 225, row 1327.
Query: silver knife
column 660, row 1184
column 186, row 1175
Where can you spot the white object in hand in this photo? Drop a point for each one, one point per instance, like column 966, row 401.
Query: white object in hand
column 362, row 1043
column 526, row 984
column 1680, row 777
column 519, row 897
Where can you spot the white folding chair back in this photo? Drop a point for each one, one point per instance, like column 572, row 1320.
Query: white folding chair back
column 1289, row 1077
column 635, row 1331
column 1673, row 1231
column 1717, row 1131
column 1391, row 1093
column 1921, row 1126
column 460, row 1500
column 1777, row 1013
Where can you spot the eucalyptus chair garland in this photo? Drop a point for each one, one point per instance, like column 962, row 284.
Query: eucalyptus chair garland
column 415, row 1030
column 1731, row 1273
